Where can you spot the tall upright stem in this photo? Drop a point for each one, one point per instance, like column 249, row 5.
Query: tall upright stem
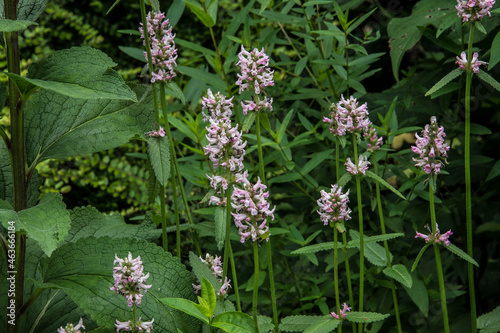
column 386, row 246
column 163, row 219
column 468, row 194
column 176, row 209
column 439, row 266
column 268, row 243
column 255, row 284
column 18, row 162
column 336, row 274
column 361, row 236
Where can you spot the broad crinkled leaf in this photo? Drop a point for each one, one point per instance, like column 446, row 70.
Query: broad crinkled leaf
column 489, row 321
column 59, row 126
column 79, row 72
column 234, row 322
column 6, row 182
column 404, row 32
column 418, row 294
column 84, row 271
column 17, row 25
column 201, row 270
column 400, row 274
column 89, row 222
column 47, row 223
column 159, row 155
column 374, row 252
column 27, row 9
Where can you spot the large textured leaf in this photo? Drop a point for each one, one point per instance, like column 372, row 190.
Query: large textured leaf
column 234, row 322
column 159, row 155
column 365, row 317
column 201, row 270
column 374, row 252
column 6, row 182
column 59, row 126
column 17, row 25
column 400, row 274
column 488, row 79
column 47, row 223
column 489, row 322
column 404, row 32
column 79, row 72
column 186, row 306
column 84, row 271
column 27, row 9
column 325, row 324
column 418, row 294
column 89, row 222
column 495, row 52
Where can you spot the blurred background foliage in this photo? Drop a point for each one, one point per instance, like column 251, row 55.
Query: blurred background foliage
column 309, row 77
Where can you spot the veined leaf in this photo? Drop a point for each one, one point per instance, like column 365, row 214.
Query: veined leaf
column 365, row 317
column 490, row 321
column 26, row 9
column 197, row 9
column 374, row 252
column 186, row 306
column 159, row 155
column 458, row 252
column 418, row 294
column 234, row 321
column 488, row 79
column 300, row 323
column 384, row 183
column 283, row 127
column 316, row 160
column 248, row 122
column 318, row 247
column 220, row 216
column 400, row 274
column 324, row 324
column 377, row 238
column 495, row 52
column 445, row 80
column 14, row 25
column 201, row 270
column 208, row 294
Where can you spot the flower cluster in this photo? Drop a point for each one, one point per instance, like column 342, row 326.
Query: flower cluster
column 431, row 148
column 475, row 63
column 474, row 10
column 333, row 207
column 163, row 51
column 255, row 73
column 156, row 133
column 215, row 265
column 219, row 107
column 257, row 105
column 70, row 328
column 372, row 140
column 343, row 312
column 130, row 280
column 437, row 237
column 362, row 166
column 139, row 325
column 252, row 209
column 347, row 116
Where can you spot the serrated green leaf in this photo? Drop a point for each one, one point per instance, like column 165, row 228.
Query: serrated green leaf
column 201, row 270
column 84, row 271
column 6, row 181
column 458, row 252
column 159, row 155
column 419, row 256
column 234, row 321
column 400, row 274
column 26, row 9
column 264, row 120
column 301, row 323
column 374, row 252
column 445, row 80
column 384, row 183
column 490, row 320
column 248, row 122
column 220, row 216
column 418, row 294
column 365, row 317
column 59, row 126
column 265, row 324
column 208, row 294
column 377, row 238
column 495, row 52
column 79, row 72
column 17, row 25
column 318, row 247
column 488, row 79
column 186, row 306
column 47, row 223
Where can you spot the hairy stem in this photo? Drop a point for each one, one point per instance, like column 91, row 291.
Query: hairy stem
column 255, row 284
column 468, row 194
column 336, row 273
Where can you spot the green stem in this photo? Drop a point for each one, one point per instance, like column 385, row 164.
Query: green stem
column 235, row 278
column 176, row 209
column 438, row 263
column 468, row 194
column 336, row 273
column 361, row 236
column 348, row 271
column 255, row 284
column 176, row 165
column 163, row 219
column 386, row 246
column 337, row 160
column 227, row 244
column 134, row 316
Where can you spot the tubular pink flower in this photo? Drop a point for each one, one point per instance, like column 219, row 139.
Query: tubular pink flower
column 255, row 73
column 219, row 107
column 265, row 104
column 362, row 166
column 163, row 51
column 437, row 237
column 475, row 63
column 347, row 116
column 252, row 209
column 431, row 148
column 215, row 265
column 372, row 140
column 140, row 325
column 333, row 207
column 130, row 280
column 70, row 328
column 474, row 10
column 343, row 312
column 156, row 133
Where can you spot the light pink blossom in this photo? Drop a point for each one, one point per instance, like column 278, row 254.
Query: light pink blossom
column 70, row 328
column 475, row 63
column 372, row 140
column 362, row 166
column 431, row 148
column 163, row 51
column 219, row 107
column 255, row 73
column 347, row 116
column 215, row 265
column 160, row 133
column 437, row 237
column 474, row 10
column 342, row 314
column 252, row 209
column 140, row 325
column 333, row 208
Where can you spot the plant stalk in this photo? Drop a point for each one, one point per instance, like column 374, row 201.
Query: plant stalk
column 468, row 193
column 255, row 284
column 336, row 273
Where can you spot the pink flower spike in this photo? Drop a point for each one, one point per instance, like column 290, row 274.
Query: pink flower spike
column 431, row 148
column 474, row 10
column 444, row 237
column 343, row 312
column 475, row 63
column 71, row 329
column 419, row 235
column 255, row 73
